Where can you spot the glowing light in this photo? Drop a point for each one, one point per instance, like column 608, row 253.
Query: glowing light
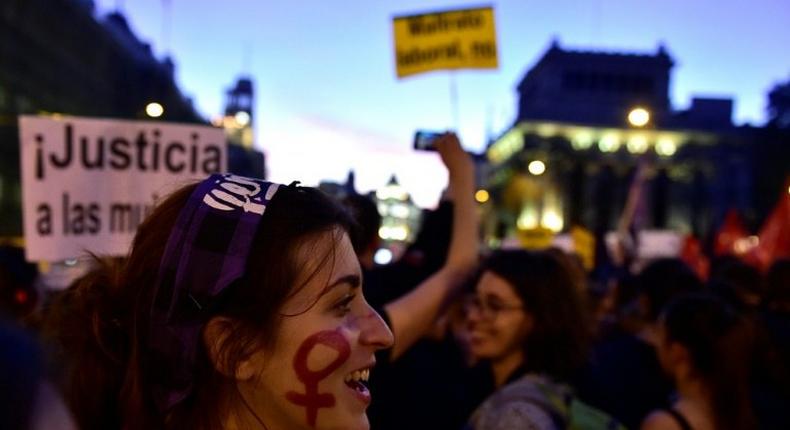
column 637, row 144
column 481, row 196
column 536, row 167
column 546, row 130
column 666, row 147
column 399, row 211
column 21, row 297
column 398, row 232
column 242, row 118
column 552, row 221
column 505, row 147
column 788, row 190
column 582, row 140
column 527, row 220
column 746, row 244
column 609, row 143
column 638, row 117
column 383, row 256
column 154, row 110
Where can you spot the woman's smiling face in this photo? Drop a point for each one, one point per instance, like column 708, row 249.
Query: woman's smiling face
column 314, row 375
column 498, row 323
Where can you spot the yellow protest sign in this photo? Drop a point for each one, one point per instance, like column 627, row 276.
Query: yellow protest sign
column 535, row 238
column 584, row 245
column 456, row 39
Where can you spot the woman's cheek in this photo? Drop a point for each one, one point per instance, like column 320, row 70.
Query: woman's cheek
column 311, row 371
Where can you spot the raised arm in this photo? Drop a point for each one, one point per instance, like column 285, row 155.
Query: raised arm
column 412, row 315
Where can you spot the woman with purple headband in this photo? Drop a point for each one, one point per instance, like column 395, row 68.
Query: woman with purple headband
column 238, row 307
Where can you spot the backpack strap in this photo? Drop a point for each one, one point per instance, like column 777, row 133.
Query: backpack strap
column 679, row 418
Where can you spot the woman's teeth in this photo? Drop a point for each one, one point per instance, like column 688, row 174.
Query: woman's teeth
column 359, row 375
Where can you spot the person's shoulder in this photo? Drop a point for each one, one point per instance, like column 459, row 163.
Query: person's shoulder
column 660, row 420
column 520, row 414
column 520, row 404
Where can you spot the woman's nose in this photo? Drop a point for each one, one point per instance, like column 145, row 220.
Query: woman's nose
column 375, row 332
column 473, row 315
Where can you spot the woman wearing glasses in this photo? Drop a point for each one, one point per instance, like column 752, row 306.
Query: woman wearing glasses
column 527, row 321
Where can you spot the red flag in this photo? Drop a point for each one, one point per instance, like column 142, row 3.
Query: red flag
column 775, row 234
column 692, row 254
column 730, row 232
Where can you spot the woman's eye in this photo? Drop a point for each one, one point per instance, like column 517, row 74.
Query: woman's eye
column 496, row 306
column 343, row 307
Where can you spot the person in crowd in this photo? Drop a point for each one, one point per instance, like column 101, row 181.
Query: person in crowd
column 421, row 383
column 27, row 400
column 575, row 267
column 413, row 314
column 238, row 307
column 706, row 348
column 777, row 286
column 737, row 282
column 776, row 314
column 366, row 231
column 527, row 323
column 18, row 293
column 771, row 378
column 623, row 376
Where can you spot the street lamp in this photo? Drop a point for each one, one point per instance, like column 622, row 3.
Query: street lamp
column 242, row 118
column 666, row 147
column 536, row 167
column 637, row 144
column 154, row 110
column 638, row 117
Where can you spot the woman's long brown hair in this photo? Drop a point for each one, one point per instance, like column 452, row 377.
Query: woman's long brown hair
column 98, row 327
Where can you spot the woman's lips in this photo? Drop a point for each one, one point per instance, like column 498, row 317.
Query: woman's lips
column 356, row 380
column 360, row 391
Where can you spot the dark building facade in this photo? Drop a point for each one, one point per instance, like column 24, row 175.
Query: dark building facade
column 238, row 123
column 594, row 87
column 59, row 57
column 588, row 121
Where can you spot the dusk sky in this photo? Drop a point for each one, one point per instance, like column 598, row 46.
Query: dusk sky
column 328, row 100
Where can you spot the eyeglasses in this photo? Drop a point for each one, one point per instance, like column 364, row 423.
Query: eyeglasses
column 488, row 309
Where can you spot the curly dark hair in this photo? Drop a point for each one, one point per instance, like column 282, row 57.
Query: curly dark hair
column 558, row 344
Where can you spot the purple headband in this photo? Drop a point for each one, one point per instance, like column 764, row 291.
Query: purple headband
column 206, row 252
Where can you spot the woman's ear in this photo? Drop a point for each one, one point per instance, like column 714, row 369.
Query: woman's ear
column 217, row 332
column 674, row 359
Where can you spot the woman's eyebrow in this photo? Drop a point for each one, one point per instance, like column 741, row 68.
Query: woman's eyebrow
column 352, row 280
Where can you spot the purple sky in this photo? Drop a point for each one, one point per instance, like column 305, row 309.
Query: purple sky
column 328, row 99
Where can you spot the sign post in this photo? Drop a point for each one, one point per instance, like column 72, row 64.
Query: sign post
column 446, row 40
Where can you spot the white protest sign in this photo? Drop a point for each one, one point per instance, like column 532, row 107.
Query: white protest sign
column 88, row 183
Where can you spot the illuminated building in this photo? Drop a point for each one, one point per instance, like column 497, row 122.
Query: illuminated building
column 400, row 217
column 238, row 119
column 586, row 119
column 238, row 122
